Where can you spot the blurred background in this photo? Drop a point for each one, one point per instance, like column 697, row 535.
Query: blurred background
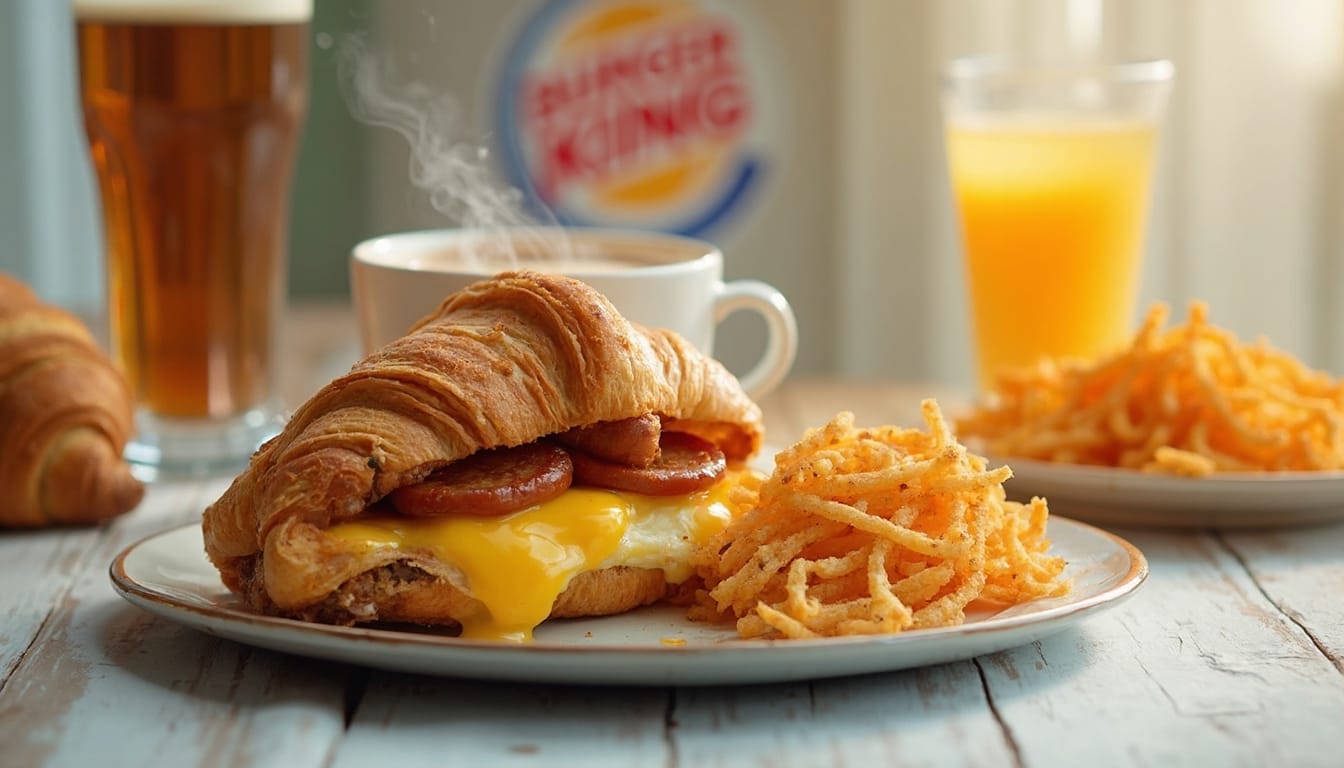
column 826, row 174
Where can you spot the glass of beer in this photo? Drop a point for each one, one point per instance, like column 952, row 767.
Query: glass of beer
column 193, row 110
column 1051, row 168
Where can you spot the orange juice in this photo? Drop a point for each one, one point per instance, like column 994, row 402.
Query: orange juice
column 1052, row 217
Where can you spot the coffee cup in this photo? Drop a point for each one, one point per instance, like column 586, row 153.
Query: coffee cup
column 656, row 280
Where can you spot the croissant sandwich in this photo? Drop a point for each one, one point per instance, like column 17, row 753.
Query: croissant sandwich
column 65, row 417
column 525, row 452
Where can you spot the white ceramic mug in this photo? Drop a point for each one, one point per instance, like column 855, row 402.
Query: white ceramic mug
column 657, row 280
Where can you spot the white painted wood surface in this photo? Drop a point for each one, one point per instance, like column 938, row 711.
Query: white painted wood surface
column 1229, row 656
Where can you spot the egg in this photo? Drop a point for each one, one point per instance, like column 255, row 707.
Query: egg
column 518, row 564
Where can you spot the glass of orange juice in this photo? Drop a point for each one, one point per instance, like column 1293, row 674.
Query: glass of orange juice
column 1051, row 167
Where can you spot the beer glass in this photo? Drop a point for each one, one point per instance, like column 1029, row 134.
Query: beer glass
column 193, row 110
column 1051, row 168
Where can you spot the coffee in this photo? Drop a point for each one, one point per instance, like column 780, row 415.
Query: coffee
column 655, row 280
column 586, row 261
column 452, row 261
column 581, row 266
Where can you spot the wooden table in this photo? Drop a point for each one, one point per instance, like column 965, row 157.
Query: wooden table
column 1231, row 654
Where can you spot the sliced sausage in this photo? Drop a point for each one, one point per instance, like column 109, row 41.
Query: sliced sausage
column 489, row 483
column 685, row 464
column 632, row 442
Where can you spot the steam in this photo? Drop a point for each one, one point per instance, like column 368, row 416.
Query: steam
column 455, row 173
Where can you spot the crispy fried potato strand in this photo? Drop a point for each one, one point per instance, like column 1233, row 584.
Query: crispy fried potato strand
column 1188, row 400
column 867, row 531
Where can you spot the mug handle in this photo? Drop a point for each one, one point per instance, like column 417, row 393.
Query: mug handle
column 781, row 345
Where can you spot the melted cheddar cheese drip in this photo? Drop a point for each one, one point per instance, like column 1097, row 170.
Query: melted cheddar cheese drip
column 517, row 565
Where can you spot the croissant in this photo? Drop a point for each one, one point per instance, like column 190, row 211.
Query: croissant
column 65, row 416
column 504, row 362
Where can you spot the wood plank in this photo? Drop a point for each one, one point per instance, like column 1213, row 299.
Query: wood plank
column 39, row 568
column 1302, row 571
column 419, row 721
column 932, row 716
column 928, row 716
column 1199, row 664
column 106, row 676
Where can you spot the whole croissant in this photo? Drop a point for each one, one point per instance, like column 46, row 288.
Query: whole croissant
column 65, row 416
column 502, row 363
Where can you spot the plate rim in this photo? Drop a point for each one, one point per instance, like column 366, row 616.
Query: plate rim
column 1230, row 479
column 1049, row 619
column 1122, row 496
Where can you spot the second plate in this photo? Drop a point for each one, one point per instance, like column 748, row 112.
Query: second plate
column 1111, row 496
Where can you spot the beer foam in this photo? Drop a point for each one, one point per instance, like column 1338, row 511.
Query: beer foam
column 195, row 11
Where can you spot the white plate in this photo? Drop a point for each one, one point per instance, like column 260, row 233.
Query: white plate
column 1111, row 496
column 168, row 574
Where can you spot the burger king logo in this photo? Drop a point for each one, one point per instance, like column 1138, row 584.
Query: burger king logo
column 636, row 114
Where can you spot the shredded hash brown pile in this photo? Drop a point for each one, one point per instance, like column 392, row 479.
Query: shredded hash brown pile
column 865, row 531
column 1189, row 400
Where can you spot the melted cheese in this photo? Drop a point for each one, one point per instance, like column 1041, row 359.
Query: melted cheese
column 517, row 565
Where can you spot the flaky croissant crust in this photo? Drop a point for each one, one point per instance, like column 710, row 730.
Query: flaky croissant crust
column 501, row 363
column 65, row 416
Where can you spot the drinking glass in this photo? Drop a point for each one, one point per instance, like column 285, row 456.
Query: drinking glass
column 1051, row 169
column 193, row 111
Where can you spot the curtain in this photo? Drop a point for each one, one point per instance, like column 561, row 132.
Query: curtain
column 49, row 231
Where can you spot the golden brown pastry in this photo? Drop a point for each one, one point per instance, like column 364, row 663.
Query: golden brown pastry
column 307, row 531
column 65, row 416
